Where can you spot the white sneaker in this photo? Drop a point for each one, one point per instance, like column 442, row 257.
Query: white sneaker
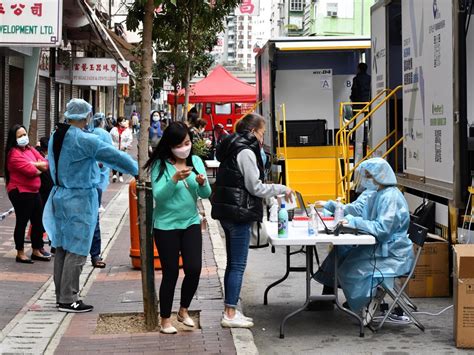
column 237, row 322
column 244, row 316
column 114, row 178
column 120, row 178
column 101, row 209
column 369, row 311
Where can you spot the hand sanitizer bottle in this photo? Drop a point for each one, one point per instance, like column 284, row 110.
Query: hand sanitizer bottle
column 283, row 222
column 313, row 222
column 339, row 212
column 274, row 210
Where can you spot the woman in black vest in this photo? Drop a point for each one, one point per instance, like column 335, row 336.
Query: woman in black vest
column 237, row 202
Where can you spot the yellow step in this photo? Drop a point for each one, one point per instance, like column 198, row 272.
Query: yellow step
column 311, row 175
column 311, row 164
column 311, row 152
column 326, row 187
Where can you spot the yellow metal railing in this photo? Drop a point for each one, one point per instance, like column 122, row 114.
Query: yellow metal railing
column 344, row 135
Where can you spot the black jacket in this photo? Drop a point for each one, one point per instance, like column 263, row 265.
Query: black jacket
column 231, row 201
column 361, row 89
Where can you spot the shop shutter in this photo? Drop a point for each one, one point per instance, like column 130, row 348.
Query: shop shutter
column 44, row 104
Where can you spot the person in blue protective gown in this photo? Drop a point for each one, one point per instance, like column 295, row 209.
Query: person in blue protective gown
column 384, row 215
column 70, row 215
column 104, row 136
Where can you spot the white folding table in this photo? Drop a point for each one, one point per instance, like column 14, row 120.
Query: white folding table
column 213, row 165
column 298, row 236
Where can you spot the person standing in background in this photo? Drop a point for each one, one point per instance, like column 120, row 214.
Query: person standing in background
column 155, row 130
column 122, row 139
column 135, row 118
column 23, row 167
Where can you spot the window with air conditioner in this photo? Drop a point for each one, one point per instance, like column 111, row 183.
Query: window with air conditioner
column 331, row 8
column 296, row 5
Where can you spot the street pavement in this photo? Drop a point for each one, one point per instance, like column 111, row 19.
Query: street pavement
column 331, row 332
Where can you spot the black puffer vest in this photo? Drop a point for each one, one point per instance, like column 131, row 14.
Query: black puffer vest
column 231, row 201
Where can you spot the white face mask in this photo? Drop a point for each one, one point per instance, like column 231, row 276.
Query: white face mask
column 124, row 124
column 156, row 118
column 181, row 153
column 23, row 141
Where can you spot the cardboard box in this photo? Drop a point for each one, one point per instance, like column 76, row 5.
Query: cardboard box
column 464, row 295
column 431, row 277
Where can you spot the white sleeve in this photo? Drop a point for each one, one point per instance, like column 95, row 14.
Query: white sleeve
column 247, row 164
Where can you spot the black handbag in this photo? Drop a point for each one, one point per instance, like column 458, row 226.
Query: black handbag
column 424, row 215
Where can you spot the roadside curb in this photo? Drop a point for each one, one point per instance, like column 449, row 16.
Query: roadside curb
column 243, row 338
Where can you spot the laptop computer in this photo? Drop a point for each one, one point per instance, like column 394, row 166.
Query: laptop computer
column 336, row 230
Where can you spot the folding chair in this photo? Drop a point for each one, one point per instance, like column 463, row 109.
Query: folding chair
column 417, row 234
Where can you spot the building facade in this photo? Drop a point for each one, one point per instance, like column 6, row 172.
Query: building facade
column 337, row 18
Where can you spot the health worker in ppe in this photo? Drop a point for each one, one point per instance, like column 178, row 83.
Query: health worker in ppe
column 70, row 215
column 385, row 215
column 104, row 136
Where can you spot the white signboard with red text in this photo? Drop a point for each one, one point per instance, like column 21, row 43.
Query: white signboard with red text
column 34, row 23
column 248, row 7
column 99, row 71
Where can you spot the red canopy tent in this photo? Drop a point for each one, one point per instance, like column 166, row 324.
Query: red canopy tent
column 219, row 86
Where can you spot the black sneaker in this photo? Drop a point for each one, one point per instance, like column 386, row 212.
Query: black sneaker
column 75, row 307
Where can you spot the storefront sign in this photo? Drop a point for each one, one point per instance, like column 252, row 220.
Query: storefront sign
column 36, row 23
column 99, row 71
column 248, row 7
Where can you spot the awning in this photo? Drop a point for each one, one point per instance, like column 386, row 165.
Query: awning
column 84, row 25
column 219, row 86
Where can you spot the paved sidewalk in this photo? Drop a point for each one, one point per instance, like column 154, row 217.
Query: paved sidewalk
column 35, row 326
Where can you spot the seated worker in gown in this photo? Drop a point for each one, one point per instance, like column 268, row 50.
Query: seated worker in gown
column 382, row 212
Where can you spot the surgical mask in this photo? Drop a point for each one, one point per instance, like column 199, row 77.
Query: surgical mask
column 156, row 118
column 89, row 128
column 371, row 185
column 23, row 141
column 264, row 157
column 124, row 124
column 182, row 153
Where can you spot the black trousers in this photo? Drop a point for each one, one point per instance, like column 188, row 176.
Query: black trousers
column 114, row 172
column 170, row 244
column 28, row 207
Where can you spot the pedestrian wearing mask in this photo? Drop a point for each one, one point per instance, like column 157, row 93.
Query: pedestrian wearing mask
column 122, row 139
column 135, row 122
column 178, row 179
column 155, row 130
column 70, row 215
column 237, row 202
column 23, row 167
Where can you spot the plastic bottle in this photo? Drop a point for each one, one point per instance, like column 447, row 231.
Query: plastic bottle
column 312, row 222
column 339, row 212
column 283, row 222
column 274, row 210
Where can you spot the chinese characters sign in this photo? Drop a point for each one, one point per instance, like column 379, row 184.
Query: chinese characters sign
column 36, row 23
column 248, row 7
column 99, row 71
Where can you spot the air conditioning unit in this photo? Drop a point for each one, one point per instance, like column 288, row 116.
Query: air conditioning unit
column 332, row 14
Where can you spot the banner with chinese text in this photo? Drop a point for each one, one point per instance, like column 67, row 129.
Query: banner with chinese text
column 99, row 71
column 248, row 7
column 35, row 23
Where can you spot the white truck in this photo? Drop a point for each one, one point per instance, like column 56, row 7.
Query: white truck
column 426, row 46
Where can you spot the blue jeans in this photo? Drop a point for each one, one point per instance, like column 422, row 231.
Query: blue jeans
column 237, row 239
column 96, row 240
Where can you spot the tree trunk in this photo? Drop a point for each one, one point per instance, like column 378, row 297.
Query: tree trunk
column 146, row 241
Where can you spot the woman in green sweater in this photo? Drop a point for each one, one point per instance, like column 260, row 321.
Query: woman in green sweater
column 178, row 178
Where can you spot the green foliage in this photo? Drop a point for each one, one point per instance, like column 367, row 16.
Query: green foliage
column 184, row 33
column 200, row 148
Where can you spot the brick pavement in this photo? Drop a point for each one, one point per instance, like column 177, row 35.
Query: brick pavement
column 19, row 282
column 117, row 289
